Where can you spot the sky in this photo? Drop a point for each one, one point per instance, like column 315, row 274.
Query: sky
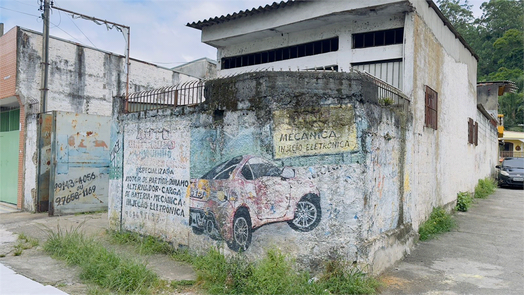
column 159, row 34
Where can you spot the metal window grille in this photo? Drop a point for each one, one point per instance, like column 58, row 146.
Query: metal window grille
column 387, row 93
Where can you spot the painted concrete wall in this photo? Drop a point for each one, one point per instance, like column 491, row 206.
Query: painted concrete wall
column 81, row 80
column 345, row 156
column 443, row 161
column 486, row 155
column 203, row 68
column 488, row 96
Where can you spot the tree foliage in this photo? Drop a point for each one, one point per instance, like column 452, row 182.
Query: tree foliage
column 498, row 39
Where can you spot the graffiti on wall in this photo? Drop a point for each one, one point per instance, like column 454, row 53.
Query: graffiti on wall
column 244, row 193
column 156, row 174
column 74, row 189
column 313, row 131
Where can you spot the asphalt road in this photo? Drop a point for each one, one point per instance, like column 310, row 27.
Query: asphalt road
column 485, row 255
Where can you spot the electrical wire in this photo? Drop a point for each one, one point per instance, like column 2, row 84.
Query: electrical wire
column 65, row 32
column 72, row 20
column 20, row 12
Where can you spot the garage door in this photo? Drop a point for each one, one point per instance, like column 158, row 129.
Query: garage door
column 9, row 146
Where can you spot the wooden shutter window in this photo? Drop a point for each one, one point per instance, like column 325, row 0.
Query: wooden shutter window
column 431, row 117
column 476, row 133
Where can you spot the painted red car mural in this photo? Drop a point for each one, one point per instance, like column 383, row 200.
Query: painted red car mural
column 242, row 194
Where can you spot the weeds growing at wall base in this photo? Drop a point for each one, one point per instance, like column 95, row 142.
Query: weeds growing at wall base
column 484, row 188
column 464, row 201
column 99, row 265
column 275, row 274
column 439, row 222
column 217, row 274
column 143, row 244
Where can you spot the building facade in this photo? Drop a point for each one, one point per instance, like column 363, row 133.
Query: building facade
column 81, row 80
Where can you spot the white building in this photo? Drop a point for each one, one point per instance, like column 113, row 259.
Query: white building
column 408, row 44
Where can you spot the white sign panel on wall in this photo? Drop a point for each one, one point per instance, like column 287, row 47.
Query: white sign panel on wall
column 156, row 177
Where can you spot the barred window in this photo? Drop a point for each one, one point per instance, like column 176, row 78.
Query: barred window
column 378, row 38
column 284, row 53
column 431, row 117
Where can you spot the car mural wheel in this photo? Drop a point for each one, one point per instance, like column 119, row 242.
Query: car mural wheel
column 307, row 214
column 241, row 231
column 197, row 231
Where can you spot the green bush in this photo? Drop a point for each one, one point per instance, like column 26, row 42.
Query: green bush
column 484, row 188
column 439, row 222
column 464, row 201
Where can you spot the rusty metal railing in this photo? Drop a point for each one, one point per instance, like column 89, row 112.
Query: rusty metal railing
column 387, row 94
column 511, row 154
column 192, row 92
column 187, row 93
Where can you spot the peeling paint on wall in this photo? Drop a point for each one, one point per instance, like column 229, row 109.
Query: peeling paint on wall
column 343, row 202
column 156, row 177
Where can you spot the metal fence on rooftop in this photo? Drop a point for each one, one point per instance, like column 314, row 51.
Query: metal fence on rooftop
column 192, row 93
column 187, row 93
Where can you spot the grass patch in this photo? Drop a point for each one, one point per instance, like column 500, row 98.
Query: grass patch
column 484, row 188
column 24, row 243
column 464, row 201
column 143, row 244
column 439, row 222
column 275, row 274
column 98, row 265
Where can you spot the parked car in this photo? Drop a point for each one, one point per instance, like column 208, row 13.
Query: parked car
column 242, row 194
column 511, row 172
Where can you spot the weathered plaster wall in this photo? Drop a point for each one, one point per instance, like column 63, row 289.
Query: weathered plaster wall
column 443, row 163
column 488, row 96
column 486, row 156
column 81, row 80
column 360, row 181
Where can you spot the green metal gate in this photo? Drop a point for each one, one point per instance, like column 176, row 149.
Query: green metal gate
column 9, row 147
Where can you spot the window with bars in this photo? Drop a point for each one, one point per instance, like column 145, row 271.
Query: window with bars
column 473, row 132
column 284, row 53
column 378, row 38
column 431, row 117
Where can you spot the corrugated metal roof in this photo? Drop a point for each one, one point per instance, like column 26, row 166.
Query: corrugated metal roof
column 242, row 13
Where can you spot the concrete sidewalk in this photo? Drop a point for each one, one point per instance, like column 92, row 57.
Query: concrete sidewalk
column 15, row 284
column 485, row 255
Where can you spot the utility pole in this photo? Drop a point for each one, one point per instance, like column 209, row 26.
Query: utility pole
column 45, row 57
column 40, row 195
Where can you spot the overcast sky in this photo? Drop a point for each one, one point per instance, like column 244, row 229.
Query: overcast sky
column 158, row 27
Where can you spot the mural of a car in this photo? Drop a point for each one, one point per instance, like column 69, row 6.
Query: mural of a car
column 246, row 192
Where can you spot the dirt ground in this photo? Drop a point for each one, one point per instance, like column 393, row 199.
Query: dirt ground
column 35, row 264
